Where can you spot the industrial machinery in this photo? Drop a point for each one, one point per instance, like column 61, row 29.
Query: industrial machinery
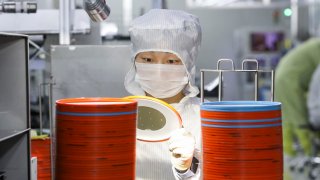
column 14, row 107
column 18, row 7
column 98, row 10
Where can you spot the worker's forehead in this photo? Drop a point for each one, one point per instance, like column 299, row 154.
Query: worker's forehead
column 157, row 54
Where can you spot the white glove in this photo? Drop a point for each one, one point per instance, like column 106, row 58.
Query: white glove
column 182, row 145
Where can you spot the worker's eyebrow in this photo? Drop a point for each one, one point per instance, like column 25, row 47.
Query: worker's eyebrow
column 160, row 51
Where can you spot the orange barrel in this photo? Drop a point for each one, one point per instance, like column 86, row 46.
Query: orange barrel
column 95, row 138
column 40, row 148
column 242, row 140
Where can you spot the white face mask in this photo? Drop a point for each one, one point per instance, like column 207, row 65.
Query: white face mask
column 161, row 80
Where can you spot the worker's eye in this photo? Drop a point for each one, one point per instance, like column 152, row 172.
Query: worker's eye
column 146, row 60
column 174, row 61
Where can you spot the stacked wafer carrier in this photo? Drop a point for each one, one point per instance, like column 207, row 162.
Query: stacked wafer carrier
column 241, row 139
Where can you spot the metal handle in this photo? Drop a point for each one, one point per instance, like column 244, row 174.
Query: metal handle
column 225, row 60
column 255, row 75
column 250, row 60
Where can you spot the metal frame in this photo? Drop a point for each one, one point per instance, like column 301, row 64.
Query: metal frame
column 42, row 87
column 221, row 71
column 15, row 135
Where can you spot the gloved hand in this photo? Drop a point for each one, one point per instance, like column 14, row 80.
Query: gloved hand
column 182, row 145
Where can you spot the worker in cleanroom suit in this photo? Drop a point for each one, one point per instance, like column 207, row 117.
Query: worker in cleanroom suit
column 314, row 100
column 292, row 80
column 165, row 45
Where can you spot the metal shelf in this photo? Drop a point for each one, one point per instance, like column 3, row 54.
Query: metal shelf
column 39, row 23
column 14, row 104
column 8, row 134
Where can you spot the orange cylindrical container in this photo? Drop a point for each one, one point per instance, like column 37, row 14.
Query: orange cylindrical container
column 40, row 148
column 242, row 140
column 95, row 138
